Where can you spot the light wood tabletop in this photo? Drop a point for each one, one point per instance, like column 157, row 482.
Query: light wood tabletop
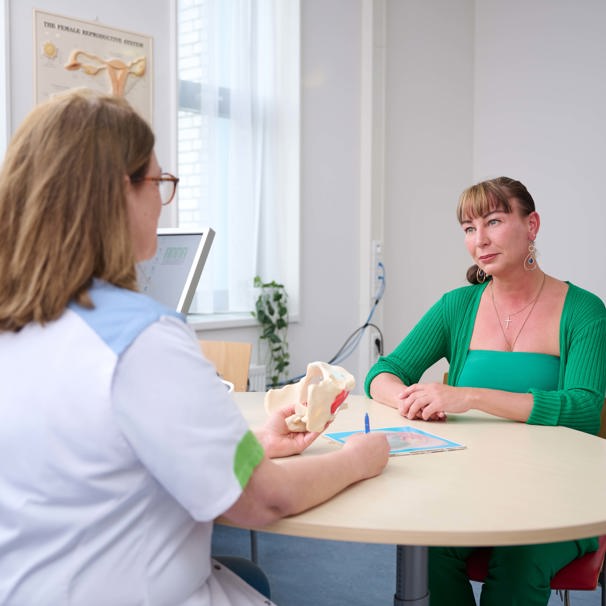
column 513, row 483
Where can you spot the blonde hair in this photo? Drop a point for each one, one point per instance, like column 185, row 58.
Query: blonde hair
column 494, row 194
column 63, row 214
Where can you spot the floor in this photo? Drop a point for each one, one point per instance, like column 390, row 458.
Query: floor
column 310, row 572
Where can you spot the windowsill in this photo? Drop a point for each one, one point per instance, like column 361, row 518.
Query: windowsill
column 220, row 321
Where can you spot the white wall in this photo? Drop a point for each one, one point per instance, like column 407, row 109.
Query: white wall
column 428, row 154
column 540, row 116
column 329, row 181
column 4, row 82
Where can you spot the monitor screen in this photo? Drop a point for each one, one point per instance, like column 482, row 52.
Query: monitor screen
column 172, row 276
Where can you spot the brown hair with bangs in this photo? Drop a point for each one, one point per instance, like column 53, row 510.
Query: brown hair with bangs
column 494, row 194
column 63, row 213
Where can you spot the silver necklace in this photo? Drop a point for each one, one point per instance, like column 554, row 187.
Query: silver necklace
column 508, row 321
column 510, row 346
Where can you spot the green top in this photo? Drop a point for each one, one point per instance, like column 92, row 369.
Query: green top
column 516, row 371
column 445, row 332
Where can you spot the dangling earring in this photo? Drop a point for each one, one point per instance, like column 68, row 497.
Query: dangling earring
column 480, row 275
column 530, row 262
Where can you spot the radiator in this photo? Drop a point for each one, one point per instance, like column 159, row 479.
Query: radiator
column 256, row 377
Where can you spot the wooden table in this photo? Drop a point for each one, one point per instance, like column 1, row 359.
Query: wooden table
column 512, row 484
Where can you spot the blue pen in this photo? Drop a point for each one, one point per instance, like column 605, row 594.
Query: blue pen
column 366, row 423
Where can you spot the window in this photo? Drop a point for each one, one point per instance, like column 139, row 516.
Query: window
column 238, row 143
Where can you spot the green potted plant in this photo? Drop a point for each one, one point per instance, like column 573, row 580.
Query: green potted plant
column 271, row 311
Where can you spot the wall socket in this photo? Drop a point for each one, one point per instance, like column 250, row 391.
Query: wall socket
column 376, row 272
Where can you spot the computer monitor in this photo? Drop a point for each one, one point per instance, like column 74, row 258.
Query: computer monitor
column 172, row 276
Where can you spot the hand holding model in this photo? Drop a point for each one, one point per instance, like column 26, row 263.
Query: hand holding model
column 317, row 397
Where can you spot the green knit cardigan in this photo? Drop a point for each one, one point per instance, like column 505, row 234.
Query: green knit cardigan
column 445, row 332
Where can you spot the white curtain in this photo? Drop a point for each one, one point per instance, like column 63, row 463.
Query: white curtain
column 251, row 59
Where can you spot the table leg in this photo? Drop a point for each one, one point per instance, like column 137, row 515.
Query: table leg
column 411, row 576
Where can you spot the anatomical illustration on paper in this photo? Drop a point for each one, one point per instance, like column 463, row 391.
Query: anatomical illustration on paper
column 70, row 53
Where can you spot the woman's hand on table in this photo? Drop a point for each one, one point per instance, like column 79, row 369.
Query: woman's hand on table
column 431, row 401
column 391, row 391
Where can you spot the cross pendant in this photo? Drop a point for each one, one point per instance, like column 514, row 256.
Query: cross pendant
column 508, row 322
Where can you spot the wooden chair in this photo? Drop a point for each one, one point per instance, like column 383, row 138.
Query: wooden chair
column 583, row 574
column 231, row 359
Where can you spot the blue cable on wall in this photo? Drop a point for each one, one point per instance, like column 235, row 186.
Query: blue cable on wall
column 352, row 342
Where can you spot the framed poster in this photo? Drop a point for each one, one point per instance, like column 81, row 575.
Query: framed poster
column 69, row 53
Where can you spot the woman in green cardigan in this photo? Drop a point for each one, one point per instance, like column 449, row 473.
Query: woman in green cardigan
column 520, row 345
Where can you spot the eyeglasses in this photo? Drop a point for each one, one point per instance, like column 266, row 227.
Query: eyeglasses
column 167, row 186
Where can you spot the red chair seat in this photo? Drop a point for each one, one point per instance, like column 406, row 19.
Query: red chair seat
column 580, row 575
column 477, row 564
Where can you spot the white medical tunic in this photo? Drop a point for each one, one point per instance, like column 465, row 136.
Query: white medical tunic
column 118, row 447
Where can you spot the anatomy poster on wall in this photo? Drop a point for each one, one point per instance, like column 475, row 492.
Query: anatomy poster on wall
column 69, row 53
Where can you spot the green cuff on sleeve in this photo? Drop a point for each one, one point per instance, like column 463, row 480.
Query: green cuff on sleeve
column 249, row 453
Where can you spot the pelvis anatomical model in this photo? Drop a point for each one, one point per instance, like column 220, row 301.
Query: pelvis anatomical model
column 316, row 397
